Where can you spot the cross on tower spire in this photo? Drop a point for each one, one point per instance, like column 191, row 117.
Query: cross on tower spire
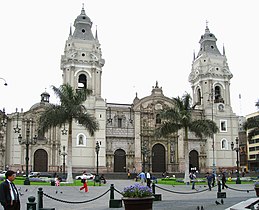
column 207, row 22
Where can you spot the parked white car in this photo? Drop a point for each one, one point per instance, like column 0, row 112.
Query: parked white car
column 88, row 176
column 33, row 174
column 2, row 174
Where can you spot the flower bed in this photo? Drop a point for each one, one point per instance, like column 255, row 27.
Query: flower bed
column 137, row 191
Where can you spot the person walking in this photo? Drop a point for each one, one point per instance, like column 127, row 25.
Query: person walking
column 224, row 180
column 142, row 177
column 148, row 177
column 84, row 181
column 9, row 196
column 209, row 180
column 193, row 179
column 128, row 174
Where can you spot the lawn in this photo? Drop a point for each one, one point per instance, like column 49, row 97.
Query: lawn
column 20, row 181
column 165, row 181
column 199, row 181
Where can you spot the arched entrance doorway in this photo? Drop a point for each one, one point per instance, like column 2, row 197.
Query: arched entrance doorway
column 119, row 161
column 194, row 160
column 158, row 158
column 40, row 161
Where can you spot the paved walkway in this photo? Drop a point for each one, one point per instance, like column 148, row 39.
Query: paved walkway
column 170, row 201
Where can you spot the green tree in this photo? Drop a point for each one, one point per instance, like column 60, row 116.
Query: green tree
column 252, row 126
column 180, row 116
column 70, row 108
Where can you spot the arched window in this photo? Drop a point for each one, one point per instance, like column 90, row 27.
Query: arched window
column 82, row 81
column 224, row 144
column 218, row 98
column 217, row 93
column 81, row 140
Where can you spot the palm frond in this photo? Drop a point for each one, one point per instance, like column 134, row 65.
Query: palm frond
column 89, row 122
column 204, row 127
column 167, row 128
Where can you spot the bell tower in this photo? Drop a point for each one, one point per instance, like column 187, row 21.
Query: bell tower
column 210, row 80
column 82, row 61
column 81, row 65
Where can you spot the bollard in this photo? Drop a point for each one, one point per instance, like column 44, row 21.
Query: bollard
column 114, row 203
column 31, row 205
column 153, row 188
column 40, row 198
column 219, row 193
column 112, row 191
column 157, row 197
column 219, row 186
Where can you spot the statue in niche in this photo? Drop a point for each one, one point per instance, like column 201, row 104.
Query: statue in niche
column 172, row 151
column 202, row 147
column 172, row 156
column 129, row 147
column 109, row 146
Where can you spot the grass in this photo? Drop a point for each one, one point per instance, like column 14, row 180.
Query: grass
column 20, row 181
column 165, row 181
column 202, row 181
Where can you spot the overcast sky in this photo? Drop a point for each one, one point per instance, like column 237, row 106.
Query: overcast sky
column 142, row 41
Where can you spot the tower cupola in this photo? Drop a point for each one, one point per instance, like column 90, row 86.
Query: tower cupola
column 208, row 43
column 83, row 25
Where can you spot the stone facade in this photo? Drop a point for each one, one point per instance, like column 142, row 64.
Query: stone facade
column 126, row 134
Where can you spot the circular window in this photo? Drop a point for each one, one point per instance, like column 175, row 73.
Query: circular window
column 83, row 30
column 83, row 17
column 212, row 47
column 83, row 54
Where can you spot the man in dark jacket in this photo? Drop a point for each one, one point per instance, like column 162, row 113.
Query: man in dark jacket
column 209, row 179
column 9, row 196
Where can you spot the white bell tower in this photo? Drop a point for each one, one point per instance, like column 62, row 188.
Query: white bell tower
column 210, row 79
column 81, row 65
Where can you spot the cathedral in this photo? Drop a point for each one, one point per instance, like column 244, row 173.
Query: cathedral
column 125, row 137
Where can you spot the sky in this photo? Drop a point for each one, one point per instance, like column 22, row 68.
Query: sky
column 142, row 41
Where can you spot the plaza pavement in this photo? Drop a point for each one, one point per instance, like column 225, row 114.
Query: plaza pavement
column 170, row 201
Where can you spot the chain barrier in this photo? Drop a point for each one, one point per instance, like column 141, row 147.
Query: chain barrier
column 231, row 188
column 179, row 192
column 76, row 202
column 117, row 191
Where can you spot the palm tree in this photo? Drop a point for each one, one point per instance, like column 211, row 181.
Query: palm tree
column 180, row 117
column 70, row 108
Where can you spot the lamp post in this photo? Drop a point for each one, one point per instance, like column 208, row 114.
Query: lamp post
column 2, row 142
column 238, row 181
column 97, row 149
column 27, row 142
column 4, row 81
column 213, row 138
column 2, row 151
column 64, row 159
